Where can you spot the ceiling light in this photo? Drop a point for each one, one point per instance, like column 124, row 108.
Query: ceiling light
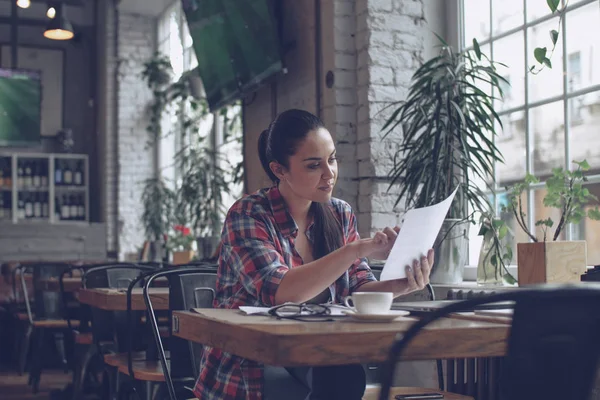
column 51, row 12
column 59, row 27
column 24, row 3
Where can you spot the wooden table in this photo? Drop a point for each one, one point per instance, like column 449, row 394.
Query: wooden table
column 116, row 299
column 295, row 343
column 71, row 284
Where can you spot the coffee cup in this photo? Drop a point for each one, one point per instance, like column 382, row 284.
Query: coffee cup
column 370, row 302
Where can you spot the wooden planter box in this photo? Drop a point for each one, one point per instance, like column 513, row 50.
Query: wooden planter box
column 551, row 262
column 182, row 257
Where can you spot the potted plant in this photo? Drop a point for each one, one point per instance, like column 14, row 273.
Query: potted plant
column 447, row 125
column 546, row 259
column 180, row 243
column 158, row 202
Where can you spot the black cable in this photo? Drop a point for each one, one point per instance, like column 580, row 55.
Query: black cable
column 440, row 366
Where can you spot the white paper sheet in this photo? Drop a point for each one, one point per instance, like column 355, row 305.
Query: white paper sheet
column 417, row 235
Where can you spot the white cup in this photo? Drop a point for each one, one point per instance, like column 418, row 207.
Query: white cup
column 370, row 302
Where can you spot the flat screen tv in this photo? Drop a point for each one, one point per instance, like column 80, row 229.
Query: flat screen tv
column 20, row 107
column 236, row 44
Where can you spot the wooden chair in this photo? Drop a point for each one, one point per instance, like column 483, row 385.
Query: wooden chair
column 553, row 347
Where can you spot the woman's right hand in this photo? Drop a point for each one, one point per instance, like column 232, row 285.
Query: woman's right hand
column 366, row 247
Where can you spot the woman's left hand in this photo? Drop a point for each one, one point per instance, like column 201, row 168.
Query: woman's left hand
column 391, row 234
column 417, row 275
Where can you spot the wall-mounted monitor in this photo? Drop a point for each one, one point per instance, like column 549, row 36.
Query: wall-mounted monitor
column 20, row 107
column 236, row 44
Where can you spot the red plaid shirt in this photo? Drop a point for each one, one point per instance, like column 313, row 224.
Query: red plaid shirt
column 256, row 252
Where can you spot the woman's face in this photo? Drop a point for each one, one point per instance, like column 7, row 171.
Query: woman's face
column 312, row 171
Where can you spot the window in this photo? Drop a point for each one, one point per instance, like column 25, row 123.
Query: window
column 175, row 42
column 549, row 118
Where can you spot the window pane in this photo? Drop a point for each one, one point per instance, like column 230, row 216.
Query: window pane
column 542, row 212
column 584, row 140
column 506, row 15
column 510, row 51
column 548, row 82
column 511, row 143
column 537, row 9
column 548, row 132
column 583, row 31
column 477, row 20
column 515, row 233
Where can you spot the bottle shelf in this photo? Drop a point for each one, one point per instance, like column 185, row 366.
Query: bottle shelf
column 44, row 188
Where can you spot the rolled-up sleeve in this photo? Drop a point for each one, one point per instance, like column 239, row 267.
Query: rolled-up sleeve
column 360, row 272
column 251, row 256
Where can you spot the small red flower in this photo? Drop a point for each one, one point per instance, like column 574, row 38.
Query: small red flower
column 186, row 231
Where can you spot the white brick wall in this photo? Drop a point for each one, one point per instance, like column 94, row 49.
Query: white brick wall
column 136, row 44
column 389, row 41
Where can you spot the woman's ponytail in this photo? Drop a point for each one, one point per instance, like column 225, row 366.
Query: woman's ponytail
column 263, row 153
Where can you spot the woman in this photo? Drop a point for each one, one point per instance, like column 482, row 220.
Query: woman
column 295, row 243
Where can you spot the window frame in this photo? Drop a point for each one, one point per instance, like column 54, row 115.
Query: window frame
column 565, row 96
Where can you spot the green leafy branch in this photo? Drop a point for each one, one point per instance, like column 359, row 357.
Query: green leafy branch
column 565, row 191
column 500, row 253
column 541, row 53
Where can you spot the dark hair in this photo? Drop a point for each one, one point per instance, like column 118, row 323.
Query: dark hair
column 278, row 143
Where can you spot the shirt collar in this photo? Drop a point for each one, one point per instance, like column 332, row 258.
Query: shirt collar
column 283, row 218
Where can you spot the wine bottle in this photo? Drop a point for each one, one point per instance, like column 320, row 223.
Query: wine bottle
column 81, row 208
column 78, row 177
column 21, row 207
column 67, row 174
column 65, row 208
column 20, row 181
column 44, row 174
column 8, row 173
column 2, row 162
column 73, row 209
column 58, row 173
column 28, row 177
column 28, row 206
column 57, row 209
column 45, row 206
column 35, row 172
column 37, row 205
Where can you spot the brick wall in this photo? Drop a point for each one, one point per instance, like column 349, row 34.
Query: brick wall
column 129, row 41
column 136, row 44
column 390, row 44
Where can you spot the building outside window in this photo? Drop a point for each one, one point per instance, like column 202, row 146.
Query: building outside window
column 549, row 118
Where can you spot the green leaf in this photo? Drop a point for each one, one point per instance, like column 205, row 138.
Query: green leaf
column 502, row 232
column 553, row 4
column 540, row 54
column 594, row 214
column 554, row 36
column 547, row 62
column 477, row 49
column 584, row 165
column 509, row 279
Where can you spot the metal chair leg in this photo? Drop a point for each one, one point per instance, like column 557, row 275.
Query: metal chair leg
column 25, row 342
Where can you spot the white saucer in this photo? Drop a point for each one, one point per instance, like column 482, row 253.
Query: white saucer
column 384, row 317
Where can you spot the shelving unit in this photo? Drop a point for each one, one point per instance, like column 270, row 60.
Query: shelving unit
column 44, row 188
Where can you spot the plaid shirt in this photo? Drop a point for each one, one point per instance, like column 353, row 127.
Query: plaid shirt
column 256, row 252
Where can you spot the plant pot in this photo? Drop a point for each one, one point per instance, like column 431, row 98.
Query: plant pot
column 207, row 246
column 451, row 251
column 551, row 262
column 182, row 257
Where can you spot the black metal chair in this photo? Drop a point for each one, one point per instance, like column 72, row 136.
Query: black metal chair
column 188, row 288
column 553, row 347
